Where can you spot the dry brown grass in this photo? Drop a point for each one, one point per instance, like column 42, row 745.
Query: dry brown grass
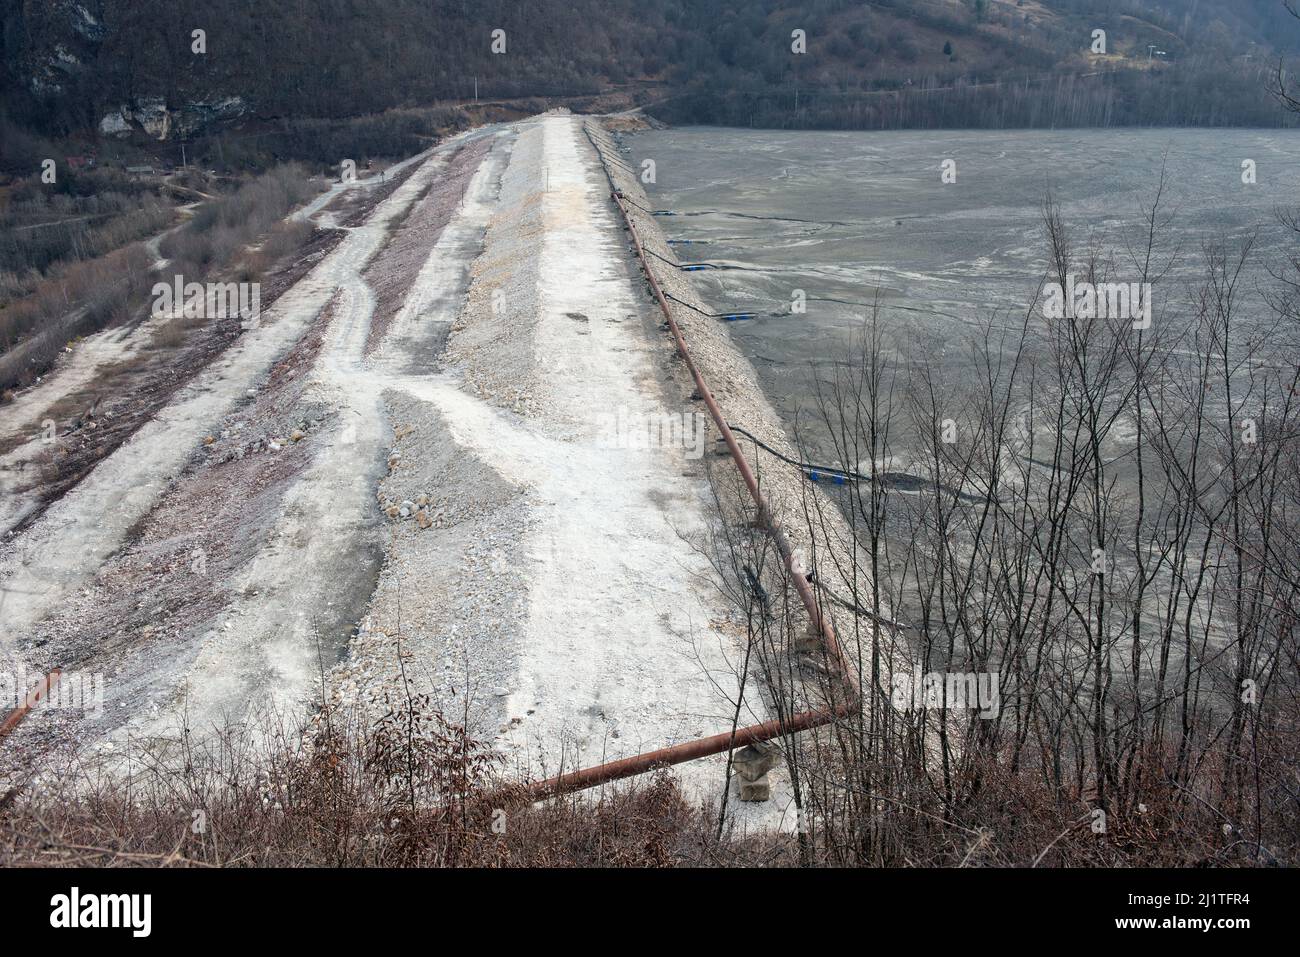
column 410, row 790
column 220, row 231
column 87, row 297
column 414, row 789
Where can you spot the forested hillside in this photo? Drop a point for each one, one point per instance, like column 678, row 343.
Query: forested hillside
column 104, row 65
column 75, row 61
column 988, row 63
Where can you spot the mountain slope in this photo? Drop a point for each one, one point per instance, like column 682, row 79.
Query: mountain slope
column 72, row 65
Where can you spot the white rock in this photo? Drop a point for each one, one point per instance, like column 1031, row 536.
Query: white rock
column 114, row 124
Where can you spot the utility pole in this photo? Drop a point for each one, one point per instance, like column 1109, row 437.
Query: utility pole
column 475, row 91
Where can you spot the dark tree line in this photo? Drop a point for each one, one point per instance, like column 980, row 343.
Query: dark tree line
column 1208, row 96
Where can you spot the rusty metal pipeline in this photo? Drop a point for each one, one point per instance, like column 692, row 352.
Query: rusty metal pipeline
column 729, row 740
column 33, row 697
column 691, row 750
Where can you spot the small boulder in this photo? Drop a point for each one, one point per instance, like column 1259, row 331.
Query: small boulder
column 753, row 761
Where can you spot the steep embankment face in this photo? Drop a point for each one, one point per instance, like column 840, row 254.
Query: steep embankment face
column 798, row 675
column 460, row 438
column 224, row 550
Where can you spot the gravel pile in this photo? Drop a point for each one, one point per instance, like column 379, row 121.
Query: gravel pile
column 446, row 593
column 492, row 344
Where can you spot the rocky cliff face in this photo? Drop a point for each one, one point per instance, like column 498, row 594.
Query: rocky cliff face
column 152, row 115
column 124, row 66
column 71, row 51
column 48, row 43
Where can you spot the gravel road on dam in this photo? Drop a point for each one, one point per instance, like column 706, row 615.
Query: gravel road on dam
column 443, row 440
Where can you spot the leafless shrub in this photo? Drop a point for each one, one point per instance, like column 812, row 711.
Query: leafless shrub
column 221, row 231
column 1148, row 709
column 411, row 789
column 285, row 239
column 89, row 296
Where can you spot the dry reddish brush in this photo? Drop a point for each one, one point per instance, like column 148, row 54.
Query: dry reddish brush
column 105, row 282
column 94, row 285
column 82, row 215
column 220, row 231
column 412, row 789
